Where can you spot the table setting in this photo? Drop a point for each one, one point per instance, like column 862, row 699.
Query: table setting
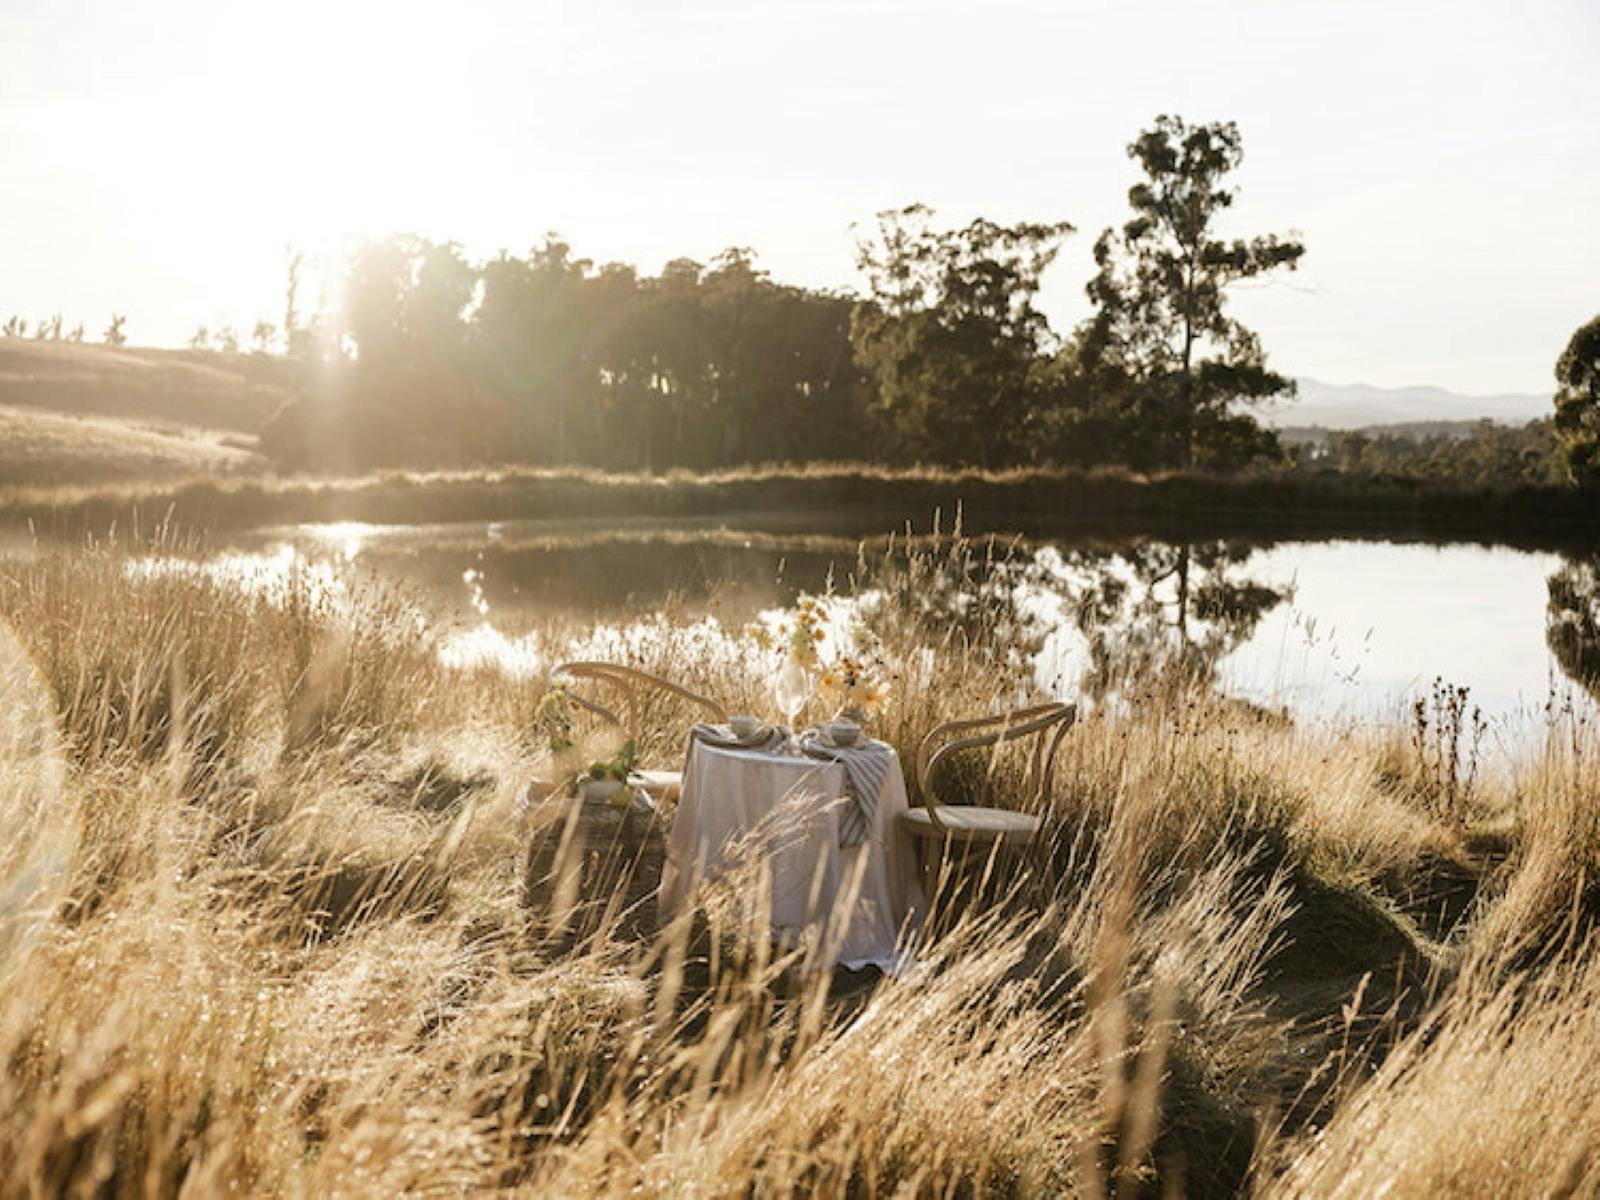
column 819, row 806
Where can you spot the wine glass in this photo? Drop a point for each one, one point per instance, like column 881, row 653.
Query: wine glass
column 791, row 689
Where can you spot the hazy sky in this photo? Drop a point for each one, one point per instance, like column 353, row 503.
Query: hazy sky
column 1441, row 159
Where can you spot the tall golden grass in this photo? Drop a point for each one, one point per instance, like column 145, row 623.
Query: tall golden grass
column 286, row 949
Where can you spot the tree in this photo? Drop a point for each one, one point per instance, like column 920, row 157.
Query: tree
column 530, row 331
column 200, row 339
column 296, row 340
column 114, row 336
column 76, row 336
column 1161, row 346
column 16, row 327
column 1578, row 403
column 951, row 335
column 226, row 340
column 263, row 333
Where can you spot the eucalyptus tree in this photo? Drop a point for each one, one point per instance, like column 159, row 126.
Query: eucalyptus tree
column 951, row 336
column 1578, row 403
column 781, row 365
column 1161, row 344
column 530, row 328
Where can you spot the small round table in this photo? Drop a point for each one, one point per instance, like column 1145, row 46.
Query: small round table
column 850, row 903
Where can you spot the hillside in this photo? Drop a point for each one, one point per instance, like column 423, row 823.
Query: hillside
column 97, row 414
column 1358, row 405
column 38, row 446
column 180, row 387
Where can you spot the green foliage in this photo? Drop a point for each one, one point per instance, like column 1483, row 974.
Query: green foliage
column 618, row 767
column 1490, row 456
column 1578, row 403
column 1161, row 357
column 554, row 717
column 951, row 335
column 557, row 361
column 547, row 359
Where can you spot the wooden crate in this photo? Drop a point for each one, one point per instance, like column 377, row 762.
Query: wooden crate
column 592, row 864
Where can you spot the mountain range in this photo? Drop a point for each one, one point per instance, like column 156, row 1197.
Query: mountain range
column 1358, row 405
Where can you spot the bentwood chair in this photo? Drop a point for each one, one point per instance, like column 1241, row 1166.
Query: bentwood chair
column 632, row 690
column 960, row 830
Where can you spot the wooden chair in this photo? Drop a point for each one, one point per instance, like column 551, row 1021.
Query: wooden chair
column 634, row 686
column 963, row 829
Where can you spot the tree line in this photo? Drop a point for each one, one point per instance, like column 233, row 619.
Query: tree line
column 1487, row 454
column 53, row 329
column 548, row 358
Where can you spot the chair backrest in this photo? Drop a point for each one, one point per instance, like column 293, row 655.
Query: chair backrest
column 1047, row 724
column 633, row 684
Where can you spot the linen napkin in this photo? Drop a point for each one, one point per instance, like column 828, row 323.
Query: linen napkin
column 769, row 738
column 866, row 765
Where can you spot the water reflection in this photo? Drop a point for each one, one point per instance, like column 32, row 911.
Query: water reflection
column 1154, row 609
column 1573, row 621
column 1342, row 629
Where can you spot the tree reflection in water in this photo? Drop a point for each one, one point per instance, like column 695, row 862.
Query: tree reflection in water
column 1148, row 612
column 1572, row 622
column 1158, row 612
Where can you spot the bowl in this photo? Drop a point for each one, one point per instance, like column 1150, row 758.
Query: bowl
column 597, row 791
column 744, row 727
column 841, row 732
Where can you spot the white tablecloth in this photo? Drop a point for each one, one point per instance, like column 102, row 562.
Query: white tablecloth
column 850, row 903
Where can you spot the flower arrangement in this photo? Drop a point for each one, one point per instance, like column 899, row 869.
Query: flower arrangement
column 856, row 685
column 801, row 636
column 555, row 717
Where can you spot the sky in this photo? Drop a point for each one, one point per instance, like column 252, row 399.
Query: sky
column 1440, row 159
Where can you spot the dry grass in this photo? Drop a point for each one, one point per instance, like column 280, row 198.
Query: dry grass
column 38, row 447
column 286, row 950
column 175, row 387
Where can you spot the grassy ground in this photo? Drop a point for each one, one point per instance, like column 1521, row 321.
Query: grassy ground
column 234, row 392
column 261, row 871
column 94, row 416
column 39, row 448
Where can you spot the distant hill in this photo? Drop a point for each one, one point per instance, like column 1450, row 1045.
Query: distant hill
column 38, row 446
column 1357, row 406
column 97, row 414
column 1416, row 430
column 182, row 387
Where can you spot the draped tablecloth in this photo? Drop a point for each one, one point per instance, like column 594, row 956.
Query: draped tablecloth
column 850, row 903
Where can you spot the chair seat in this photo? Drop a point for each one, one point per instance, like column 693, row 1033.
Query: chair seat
column 972, row 823
column 661, row 785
